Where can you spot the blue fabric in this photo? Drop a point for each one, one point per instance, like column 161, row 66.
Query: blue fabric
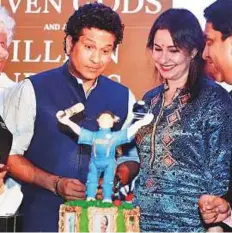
column 104, row 143
column 55, row 151
column 184, row 153
column 96, row 167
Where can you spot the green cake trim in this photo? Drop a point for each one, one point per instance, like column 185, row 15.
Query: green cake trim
column 98, row 203
column 84, row 223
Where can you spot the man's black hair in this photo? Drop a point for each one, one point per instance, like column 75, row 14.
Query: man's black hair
column 219, row 14
column 94, row 15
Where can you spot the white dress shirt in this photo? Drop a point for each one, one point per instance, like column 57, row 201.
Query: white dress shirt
column 5, row 85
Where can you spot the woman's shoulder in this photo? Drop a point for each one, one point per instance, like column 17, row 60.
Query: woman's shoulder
column 153, row 92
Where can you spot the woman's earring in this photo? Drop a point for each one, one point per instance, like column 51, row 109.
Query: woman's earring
column 194, row 53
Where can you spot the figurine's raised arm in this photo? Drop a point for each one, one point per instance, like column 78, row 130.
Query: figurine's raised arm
column 132, row 130
column 64, row 117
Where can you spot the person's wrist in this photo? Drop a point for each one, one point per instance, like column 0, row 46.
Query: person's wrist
column 56, row 185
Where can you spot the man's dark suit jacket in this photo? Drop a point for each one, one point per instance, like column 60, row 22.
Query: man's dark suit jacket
column 5, row 141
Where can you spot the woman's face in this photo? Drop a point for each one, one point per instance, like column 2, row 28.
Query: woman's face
column 171, row 62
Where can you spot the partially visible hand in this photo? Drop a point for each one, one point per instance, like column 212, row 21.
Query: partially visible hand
column 213, row 208
column 71, row 189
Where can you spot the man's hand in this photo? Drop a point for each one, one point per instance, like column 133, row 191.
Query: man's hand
column 213, row 208
column 71, row 189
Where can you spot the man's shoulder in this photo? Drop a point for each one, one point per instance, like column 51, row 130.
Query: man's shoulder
column 47, row 73
column 6, row 82
column 153, row 92
column 215, row 89
column 213, row 95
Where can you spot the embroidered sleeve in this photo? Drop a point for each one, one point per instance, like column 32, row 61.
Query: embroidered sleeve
column 218, row 134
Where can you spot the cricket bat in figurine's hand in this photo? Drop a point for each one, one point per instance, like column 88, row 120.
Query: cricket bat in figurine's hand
column 77, row 108
column 75, row 114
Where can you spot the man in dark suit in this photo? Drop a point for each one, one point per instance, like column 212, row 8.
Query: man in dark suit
column 218, row 54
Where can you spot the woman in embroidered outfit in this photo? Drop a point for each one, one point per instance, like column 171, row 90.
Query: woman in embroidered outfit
column 185, row 152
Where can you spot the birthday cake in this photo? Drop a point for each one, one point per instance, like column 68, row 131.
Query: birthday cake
column 96, row 216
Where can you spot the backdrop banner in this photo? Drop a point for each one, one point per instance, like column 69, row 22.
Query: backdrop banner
column 38, row 39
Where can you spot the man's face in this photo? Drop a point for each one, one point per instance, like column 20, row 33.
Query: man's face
column 3, row 49
column 91, row 54
column 218, row 54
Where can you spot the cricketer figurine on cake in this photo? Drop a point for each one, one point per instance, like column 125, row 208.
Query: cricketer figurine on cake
column 104, row 143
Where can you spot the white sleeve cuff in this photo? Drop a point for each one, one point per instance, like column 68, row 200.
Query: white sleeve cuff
column 228, row 221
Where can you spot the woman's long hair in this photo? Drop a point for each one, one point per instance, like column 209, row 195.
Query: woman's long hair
column 187, row 35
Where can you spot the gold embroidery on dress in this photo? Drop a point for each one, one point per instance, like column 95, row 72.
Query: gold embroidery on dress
column 145, row 130
column 152, row 158
column 168, row 160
